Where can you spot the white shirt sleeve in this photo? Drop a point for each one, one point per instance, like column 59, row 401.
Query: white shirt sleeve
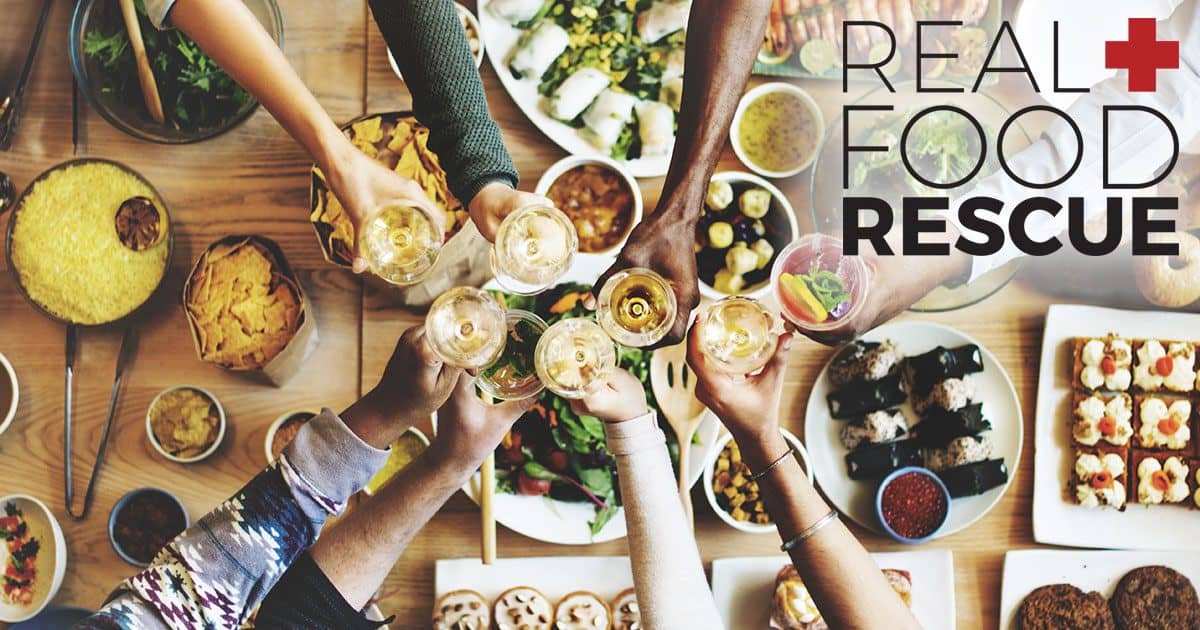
column 668, row 574
column 1139, row 144
column 157, row 11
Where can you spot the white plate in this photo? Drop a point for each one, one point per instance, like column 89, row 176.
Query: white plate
column 565, row 523
column 1080, row 42
column 1089, row 570
column 1055, row 520
column 499, row 38
column 856, row 499
column 743, row 587
column 605, row 576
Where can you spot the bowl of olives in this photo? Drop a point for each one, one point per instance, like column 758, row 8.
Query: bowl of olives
column 744, row 224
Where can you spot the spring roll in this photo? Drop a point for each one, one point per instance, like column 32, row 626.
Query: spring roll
column 671, row 93
column 607, row 117
column 515, row 11
column 576, row 93
column 662, row 19
column 537, row 50
column 656, row 126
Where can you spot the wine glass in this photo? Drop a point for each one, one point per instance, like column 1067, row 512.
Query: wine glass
column 636, row 307
column 534, row 248
column 401, row 243
column 513, row 376
column 574, row 357
column 737, row 334
column 467, row 327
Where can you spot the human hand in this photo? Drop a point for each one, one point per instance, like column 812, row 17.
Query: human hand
column 497, row 200
column 896, row 283
column 620, row 398
column 747, row 405
column 363, row 185
column 663, row 243
column 469, row 429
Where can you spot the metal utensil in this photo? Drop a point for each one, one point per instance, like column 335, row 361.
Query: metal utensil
column 71, row 345
column 128, row 346
column 674, row 387
column 10, row 109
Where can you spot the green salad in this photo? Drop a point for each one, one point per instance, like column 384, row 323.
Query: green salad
column 943, row 147
column 553, row 452
column 196, row 94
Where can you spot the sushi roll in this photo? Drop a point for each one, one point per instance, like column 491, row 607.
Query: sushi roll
column 877, row 460
column 537, row 49
column 861, row 398
column 961, row 451
column 662, row 18
column 939, row 427
column 976, row 478
column 863, row 361
column 573, row 95
column 951, row 394
column 656, row 127
column 924, row 371
column 874, row 428
column 607, row 116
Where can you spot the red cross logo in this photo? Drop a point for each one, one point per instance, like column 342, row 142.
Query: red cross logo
column 1143, row 55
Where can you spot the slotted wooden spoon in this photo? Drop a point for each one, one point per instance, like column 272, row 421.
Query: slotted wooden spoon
column 674, row 387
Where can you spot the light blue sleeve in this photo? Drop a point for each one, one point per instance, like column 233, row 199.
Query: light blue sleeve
column 157, row 10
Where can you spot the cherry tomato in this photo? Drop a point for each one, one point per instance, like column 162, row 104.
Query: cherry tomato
column 513, row 455
column 531, row 487
column 1108, row 365
column 1164, row 366
column 557, row 461
column 1107, row 426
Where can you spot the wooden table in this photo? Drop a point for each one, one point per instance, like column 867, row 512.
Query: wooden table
column 254, row 180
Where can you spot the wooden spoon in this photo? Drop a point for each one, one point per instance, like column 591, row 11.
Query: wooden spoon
column 674, row 387
column 145, row 73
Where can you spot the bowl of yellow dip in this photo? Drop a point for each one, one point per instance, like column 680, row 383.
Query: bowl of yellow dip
column 777, row 130
column 403, row 451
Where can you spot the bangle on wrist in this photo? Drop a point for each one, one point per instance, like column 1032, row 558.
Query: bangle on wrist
column 810, row 531
column 778, row 460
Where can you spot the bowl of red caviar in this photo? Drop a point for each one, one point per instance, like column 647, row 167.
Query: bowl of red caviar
column 912, row 504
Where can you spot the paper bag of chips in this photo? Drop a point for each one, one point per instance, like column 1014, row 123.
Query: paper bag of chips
column 399, row 142
column 246, row 310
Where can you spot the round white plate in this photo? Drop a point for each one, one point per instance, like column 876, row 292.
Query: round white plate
column 499, row 39
column 856, row 499
column 564, row 523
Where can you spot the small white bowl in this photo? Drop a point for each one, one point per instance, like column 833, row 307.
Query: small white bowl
column 759, row 291
column 51, row 560
column 274, row 428
column 557, row 169
column 749, row 98
column 465, row 14
column 207, row 452
column 8, row 372
column 711, row 463
column 421, row 437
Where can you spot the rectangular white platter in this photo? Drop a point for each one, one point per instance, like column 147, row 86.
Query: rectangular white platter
column 605, row 576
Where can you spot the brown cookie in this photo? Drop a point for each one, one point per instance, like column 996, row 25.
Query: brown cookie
column 1064, row 607
column 1156, row 597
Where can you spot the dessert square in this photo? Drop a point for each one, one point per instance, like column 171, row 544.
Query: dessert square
column 1102, row 363
column 1161, row 366
column 1098, row 477
column 1162, row 423
column 1194, row 484
column 1160, row 478
column 1103, row 418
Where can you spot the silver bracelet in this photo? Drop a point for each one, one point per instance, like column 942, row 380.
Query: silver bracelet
column 811, row 531
column 779, row 460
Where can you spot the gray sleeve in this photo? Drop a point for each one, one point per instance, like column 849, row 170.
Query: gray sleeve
column 157, row 10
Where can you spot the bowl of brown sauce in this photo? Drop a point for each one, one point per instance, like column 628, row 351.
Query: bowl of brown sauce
column 601, row 198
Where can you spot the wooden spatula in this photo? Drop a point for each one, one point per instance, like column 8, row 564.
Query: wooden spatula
column 145, row 73
column 674, row 386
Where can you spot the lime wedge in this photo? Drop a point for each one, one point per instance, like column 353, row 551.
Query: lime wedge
column 879, row 52
column 817, row 56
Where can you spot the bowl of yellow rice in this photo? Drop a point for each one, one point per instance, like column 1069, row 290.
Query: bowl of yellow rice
column 66, row 250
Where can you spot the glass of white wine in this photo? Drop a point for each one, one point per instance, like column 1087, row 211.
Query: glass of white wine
column 401, row 242
column 534, row 248
column 636, row 307
column 512, row 376
column 738, row 335
column 574, row 357
column 467, row 327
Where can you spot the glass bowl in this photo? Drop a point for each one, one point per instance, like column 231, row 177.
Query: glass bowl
column 828, row 172
column 133, row 118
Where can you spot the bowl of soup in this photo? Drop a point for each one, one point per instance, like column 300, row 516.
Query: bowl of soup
column 777, row 130
column 601, row 198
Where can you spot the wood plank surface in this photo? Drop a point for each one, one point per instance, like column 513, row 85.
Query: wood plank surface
column 254, row 179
